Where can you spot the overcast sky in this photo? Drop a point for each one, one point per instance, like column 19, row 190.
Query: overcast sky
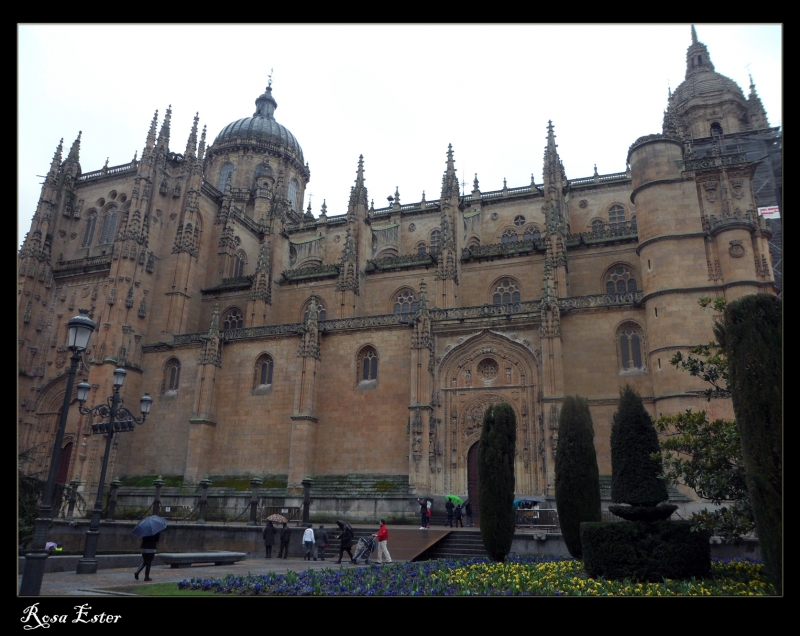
column 398, row 94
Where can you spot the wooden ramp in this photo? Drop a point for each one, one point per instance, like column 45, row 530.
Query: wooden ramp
column 405, row 543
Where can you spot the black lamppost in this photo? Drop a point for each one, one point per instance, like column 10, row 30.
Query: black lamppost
column 80, row 329
column 119, row 419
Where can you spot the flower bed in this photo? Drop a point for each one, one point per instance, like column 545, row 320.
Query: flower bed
column 479, row 577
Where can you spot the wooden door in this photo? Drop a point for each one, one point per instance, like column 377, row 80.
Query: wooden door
column 472, row 478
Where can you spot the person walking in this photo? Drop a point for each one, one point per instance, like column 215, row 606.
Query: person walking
column 468, row 511
column 148, row 554
column 286, row 536
column 457, row 516
column 423, row 514
column 428, row 517
column 308, row 541
column 321, row 540
column 346, row 538
column 383, row 544
column 269, row 538
column 449, row 507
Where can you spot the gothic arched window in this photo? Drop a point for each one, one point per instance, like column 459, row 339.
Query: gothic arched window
column 227, row 169
column 507, row 291
column 422, row 248
column 620, row 279
column 91, row 222
column 367, row 364
column 510, row 236
column 262, row 372
column 405, row 302
column 321, row 313
column 293, row 188
column 238, row 265
column 436, row 236
column 171, row 377
column 616, row 217
column 233, row 319
column 109, row 226
column 597, row 225
column 630, row 346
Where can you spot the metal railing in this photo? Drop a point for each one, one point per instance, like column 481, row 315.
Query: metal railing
column 545, row 519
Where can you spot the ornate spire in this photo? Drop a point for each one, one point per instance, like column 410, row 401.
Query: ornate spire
column 450, row 180
column 151, row 134
column 55, row 164
column 323, row 212
column 212, row 343
column 163, row 135
column 475, row 185
column 191, row 144
column 555, row 179
column 397, row 196
column 201, row 149
column 698, row 59
column 75, row 151
column 358, row 193
column 262, row 288
column 757, row 112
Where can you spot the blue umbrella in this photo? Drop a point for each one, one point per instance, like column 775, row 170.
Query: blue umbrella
column 149, row 526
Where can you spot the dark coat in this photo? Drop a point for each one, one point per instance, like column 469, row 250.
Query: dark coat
column 269, row 534
column 458, row 512
column 468, row 508
column 449, row 507
column 149, row 543
column 346, row 538
column 286, row 534
column 320, row 536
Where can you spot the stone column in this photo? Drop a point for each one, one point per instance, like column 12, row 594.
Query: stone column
column 307, row 482
column 112, row 504
column 204, row 484
column 255, row 482
column 158, row 483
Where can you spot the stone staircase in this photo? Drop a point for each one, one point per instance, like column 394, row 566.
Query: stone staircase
column 466, row 544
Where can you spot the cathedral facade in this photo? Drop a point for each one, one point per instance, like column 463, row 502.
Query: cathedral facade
column 368, row 345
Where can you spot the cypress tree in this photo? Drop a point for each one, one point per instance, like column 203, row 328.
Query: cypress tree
column 496, row 477
column 577, row 475
column 636, row 477
column 751, row 337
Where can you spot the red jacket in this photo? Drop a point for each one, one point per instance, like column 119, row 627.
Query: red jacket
column 383, row 534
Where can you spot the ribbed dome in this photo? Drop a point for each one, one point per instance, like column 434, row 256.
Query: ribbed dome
column 261, row 125
column 702, row 83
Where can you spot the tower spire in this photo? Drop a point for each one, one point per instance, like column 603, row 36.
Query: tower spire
column 163, row 135
column 75, row 151
column 450, row 186
column 698, row 59
column 151, row 134
column 191, row 144
column 55, row 164
column 694, row 35
column 201, row 149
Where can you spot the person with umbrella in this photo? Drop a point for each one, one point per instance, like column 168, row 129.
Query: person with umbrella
column 346, row 538
column 286, row 536
column 149, row 529
column 449, row 507
column 269, row 538
column 423, row 513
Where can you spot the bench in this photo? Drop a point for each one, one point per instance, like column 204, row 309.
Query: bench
column 186, row 559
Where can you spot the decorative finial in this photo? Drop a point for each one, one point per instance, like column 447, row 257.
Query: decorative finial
column 694, row 35
column 269, row 83
column 595, row 169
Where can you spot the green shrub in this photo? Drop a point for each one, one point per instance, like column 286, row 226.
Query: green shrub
column 577, row 475
column 636, row 467
column 496, row 478
column 645, row 551
column 751, row 336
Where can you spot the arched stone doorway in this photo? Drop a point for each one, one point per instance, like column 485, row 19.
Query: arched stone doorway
column 487, row 368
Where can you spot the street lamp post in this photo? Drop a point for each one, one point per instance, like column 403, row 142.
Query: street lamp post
column 120, row 419
column 80, row 329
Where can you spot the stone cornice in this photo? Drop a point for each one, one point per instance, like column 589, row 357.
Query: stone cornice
column 654, row 182
column 668, row 237
column 709, row 288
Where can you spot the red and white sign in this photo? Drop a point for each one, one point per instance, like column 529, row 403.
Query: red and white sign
column 772, row 212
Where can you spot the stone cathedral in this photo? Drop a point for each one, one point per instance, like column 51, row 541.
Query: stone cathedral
column 362, row 348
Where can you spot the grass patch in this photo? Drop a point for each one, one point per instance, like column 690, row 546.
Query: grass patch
column 146, row 481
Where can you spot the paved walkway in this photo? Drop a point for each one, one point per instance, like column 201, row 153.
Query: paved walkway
column 110, row 581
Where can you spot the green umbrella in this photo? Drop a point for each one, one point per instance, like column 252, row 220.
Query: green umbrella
column 455, row 499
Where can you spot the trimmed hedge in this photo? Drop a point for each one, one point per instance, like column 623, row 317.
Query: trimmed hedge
column 577, row 475
column 752, row 339
column 496, row 479
column 645, row 551
column 636, row 478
